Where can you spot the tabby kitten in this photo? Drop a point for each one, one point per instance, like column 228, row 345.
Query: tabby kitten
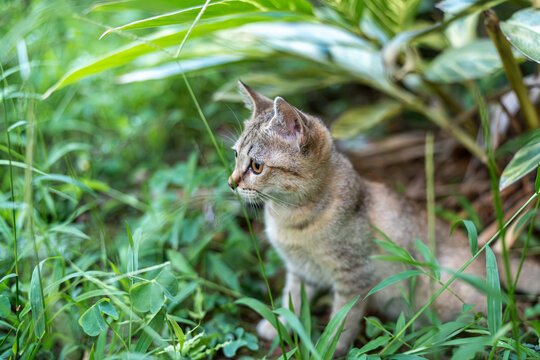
column 320, row 213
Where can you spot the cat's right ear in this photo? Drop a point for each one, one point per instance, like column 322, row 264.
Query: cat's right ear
column 253, row 100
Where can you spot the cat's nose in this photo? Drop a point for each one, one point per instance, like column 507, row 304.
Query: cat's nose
column 231, row 183
column 235, row 179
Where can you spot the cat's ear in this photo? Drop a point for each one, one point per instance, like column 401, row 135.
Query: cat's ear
column 253, row 100
column 292, row 124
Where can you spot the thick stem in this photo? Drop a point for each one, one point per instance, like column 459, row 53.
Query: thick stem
column 511, row 68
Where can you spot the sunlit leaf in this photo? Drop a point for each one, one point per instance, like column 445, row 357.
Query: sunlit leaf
column 215, row 9
column 523, row 31
column 523, row 162
column 175, row 68
column 161, row 41
column 360, row 119
column 472, row 61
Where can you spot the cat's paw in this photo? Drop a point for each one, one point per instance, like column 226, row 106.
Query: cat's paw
column 266, row 330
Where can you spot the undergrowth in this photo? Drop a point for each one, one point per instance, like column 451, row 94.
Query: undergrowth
column 120, row 238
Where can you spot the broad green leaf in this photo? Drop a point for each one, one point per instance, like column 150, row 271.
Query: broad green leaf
column 523, row 31
column 161, row 41
column 455, row 6
column 36, row 303
column 215, row 9
column 475, row 60
column 494, row 304
column 525, row 160
column 107, row 308
column 92, row 321
column 145, row 5
column 393, row 16
column 147, row 296
column 393, row 279
column 320, row 43
column 174, row 68
column 168, row 282
column 331, row 328
column 471, row 232
column 296, row 325
column 360, row 119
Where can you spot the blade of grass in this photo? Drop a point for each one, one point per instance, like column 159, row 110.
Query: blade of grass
column 499, row 212
column 454, row 276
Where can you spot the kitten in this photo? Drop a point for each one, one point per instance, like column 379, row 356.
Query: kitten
column 319, row 215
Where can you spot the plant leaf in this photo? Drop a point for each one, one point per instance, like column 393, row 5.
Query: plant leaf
column 92, row 321
column 523, row 31
column 147, row 296
column 393, row 279
column 331, row 329
column 266, row 313
column 168, row 283
column 36, row 303
column 471, row 232
column 360, row 119
column 524, row 161
column 296, row 325
column 475, row 60
column 494, row 304
column 149, row 331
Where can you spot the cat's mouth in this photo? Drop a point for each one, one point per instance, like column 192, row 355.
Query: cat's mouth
column 248, row 194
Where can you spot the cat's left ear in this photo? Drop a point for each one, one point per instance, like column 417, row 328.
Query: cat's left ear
column 292, row 124
column 253, row 100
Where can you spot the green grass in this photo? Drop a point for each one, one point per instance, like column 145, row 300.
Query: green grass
column 120, row 238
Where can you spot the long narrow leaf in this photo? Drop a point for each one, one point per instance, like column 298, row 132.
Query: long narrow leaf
column 494, row 304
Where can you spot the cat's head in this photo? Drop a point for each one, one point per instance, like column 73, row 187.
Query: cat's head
column 282, row 153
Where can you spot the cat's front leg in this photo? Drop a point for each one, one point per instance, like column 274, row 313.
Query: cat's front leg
column 352, row 322
column 293, row 286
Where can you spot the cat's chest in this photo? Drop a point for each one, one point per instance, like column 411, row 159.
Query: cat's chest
column 305, row 251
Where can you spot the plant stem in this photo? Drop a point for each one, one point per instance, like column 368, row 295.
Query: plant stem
column 511, row 68
column 430, row 198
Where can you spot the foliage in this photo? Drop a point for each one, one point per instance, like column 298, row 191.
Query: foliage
column 79, row 162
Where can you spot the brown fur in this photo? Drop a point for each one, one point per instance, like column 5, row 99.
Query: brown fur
column 320, row 214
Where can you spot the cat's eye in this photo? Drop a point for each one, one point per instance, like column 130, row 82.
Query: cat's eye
column 256, row 166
